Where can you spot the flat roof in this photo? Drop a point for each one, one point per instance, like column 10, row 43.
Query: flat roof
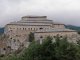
column 32, row 24
column 34, row 16
column 58, row 23
column 35, row 21
column 54, row 30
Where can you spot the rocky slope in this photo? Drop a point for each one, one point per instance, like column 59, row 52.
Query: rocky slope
column 9, row 46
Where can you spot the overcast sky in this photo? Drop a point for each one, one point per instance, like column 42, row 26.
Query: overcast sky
column 64, row 11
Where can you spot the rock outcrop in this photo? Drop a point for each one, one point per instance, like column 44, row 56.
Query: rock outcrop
column 10, row 45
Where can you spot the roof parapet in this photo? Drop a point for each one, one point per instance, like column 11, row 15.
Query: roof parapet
column 34, row 17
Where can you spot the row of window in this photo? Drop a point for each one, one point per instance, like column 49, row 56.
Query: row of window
column 28, row 28
column 60, row 36
column 53, row 36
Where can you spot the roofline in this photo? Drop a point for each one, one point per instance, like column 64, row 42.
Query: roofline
column 34, row 16
column 28, row 25
column 55, row 31
column 37, row 20
column 58, row 24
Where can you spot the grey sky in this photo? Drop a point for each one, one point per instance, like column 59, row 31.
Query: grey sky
column 64, row 11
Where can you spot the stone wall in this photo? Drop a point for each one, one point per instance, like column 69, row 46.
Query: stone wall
column 59, row 26
column 8, row 46
column 70, row 35
column 21, row 32
column 33, row 19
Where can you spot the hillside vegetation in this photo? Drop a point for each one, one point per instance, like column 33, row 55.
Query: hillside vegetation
column 75, row 27
column 59, row 50
column 1, row 30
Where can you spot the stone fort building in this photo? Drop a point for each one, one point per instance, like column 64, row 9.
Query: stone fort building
column 41, row 27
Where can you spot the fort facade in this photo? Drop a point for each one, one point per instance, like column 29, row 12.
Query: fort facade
column 41, row 27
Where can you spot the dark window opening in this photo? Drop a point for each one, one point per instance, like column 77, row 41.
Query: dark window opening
column 54, row 36
column 23, row 28
column 20, row 28
column 77, row 42
column 31, row 28
column 40, row 28
column 41, row 37
column 17, row 35
column 34, row 28
column 61, row 36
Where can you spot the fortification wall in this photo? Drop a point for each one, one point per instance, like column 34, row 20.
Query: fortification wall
column 21, row 32
column 59, row 26
column 70, row 35
column 33, row 19
column 18, row 27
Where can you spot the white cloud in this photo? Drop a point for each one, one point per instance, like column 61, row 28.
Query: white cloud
column 65, row 11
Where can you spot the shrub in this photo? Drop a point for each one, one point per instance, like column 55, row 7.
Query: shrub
column 2, row 55
column 4, row 36
column 31, row 37
column 22, row 45
column 11, row 38
column 9, row 47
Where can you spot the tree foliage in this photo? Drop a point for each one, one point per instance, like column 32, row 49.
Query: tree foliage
column 78, row 31
column 31, row 36
column 71, row 28
column 61, row 49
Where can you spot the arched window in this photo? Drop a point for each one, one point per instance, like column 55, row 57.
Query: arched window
column 25, row 28
column 17, row 28
column 34, row 28
column 20, row 28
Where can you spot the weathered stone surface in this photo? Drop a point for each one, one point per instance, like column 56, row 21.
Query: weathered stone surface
column 8, row 46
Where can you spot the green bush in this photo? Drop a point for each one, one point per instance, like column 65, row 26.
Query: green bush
column 78, row 31
column 9, row 47
column 11, row 38
column 71, row 28
column 2, row 55
column 61, row 49
column 31, row 37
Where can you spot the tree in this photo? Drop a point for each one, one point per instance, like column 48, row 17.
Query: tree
column 61, row 49
column 47, row 49
column 71, row 28
column 78, row 31
column 31, row 36
column 13, row 58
